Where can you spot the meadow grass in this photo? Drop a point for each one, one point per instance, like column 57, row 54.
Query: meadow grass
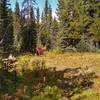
column 61, row 61
column 67, row 60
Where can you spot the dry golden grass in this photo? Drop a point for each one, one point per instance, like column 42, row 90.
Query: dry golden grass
column 61, row 61
column 91, row 60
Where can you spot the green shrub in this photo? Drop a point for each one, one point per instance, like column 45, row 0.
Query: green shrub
column 49, row 93
column 83, row 46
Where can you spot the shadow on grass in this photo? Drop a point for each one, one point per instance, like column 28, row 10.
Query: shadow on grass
column 33, row 82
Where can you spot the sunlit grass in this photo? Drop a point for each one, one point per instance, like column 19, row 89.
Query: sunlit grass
column 90, row 94
column 73, row 60
column 64, row 60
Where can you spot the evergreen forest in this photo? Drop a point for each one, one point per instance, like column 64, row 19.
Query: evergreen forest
column 47, row 57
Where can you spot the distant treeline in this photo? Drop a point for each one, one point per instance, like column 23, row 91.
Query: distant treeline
column 77, row 26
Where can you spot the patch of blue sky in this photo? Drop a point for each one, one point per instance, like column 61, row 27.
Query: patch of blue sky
column 40, row 4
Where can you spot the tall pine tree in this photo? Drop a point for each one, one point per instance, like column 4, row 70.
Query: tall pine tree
column 54, row 32
column 46, row 25
column 6, row 34
column 29, row 36
column 94, row 26
column 17, row 28
column 38, row 28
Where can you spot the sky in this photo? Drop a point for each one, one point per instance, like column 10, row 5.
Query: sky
column 40, row 4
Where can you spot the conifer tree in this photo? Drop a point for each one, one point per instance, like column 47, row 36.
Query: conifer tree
column 38, row 16
column 38, row 28
column 53, row 35
column 74, row 21
column 63, row 13
column 46, row 11
column 29, row 36
column 94, row 27
column 17, row 28
column 46, row 25
column 6, row 34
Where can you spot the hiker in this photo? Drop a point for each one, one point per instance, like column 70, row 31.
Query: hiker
column 39, row 51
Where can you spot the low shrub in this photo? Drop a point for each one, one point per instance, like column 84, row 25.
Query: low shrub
column 83, row 46
column 49, row 93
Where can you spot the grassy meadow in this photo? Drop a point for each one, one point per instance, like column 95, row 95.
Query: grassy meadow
column 64, row 60
column 54, row 76
column 61, row 61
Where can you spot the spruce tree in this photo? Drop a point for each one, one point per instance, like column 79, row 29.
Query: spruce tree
column 74, row 22
column 29, row 36
column 17, row 28
column 3, row 17
column 63, row 13
column 38, row 28
column 54, row 33
column 6, row 34
column 38, row 16
column 94, row 26
column 46, row 11
column 10, row 37
column 46, row 25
